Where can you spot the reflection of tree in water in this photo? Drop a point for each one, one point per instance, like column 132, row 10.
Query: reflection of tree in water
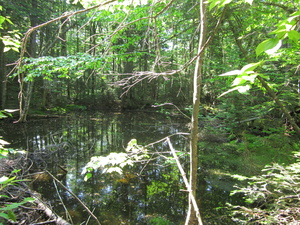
column 70, row 142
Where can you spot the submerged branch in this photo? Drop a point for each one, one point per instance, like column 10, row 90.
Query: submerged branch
column 64, row 187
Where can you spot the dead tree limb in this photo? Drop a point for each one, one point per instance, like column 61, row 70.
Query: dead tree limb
column 186, row 182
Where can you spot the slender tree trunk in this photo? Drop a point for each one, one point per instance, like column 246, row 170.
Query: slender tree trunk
column 25, row 99
column 3, row 77
column 197, row 78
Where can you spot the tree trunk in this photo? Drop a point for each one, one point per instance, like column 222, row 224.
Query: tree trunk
column 25, row 99
column 197, row 78
column 3, row 77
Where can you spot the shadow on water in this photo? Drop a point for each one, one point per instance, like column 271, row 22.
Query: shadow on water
column 145, row 193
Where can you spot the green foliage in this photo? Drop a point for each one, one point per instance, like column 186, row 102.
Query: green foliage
column 159, row 221
column 286, row 31
column 48, row 67
column 4, row 152
column 58, row 110
column 272, row 198
column 11, row 39
column 244, row 79
column 116, row 162
column 7, row 213
column 73, row 107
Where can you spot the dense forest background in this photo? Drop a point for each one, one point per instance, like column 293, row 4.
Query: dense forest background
column 60, row 56
column 84, row 60
column 89, row 59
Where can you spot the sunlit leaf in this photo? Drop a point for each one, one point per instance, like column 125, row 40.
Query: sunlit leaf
column 114, row 169
column 243, row 89
column 11, row 110
column 231, row 73
column 88, row 176
column 2, row 142
column 275, row 48
column 4, row 179
column 228, row 91
column 252, row 66
column 250, row 78
column 239, row 177
column 238, row 81
column 269, row 46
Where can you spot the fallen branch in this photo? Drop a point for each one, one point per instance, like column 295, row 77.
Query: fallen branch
column 52, row 216
column 40, row 205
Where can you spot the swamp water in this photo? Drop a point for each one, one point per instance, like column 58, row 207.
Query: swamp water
column 148, row 193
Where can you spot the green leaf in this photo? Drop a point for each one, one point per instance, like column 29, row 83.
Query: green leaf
column 269, row 46
column 12, row 215
column 2, row 19
column 294, row 35
column 219, row 3
column 88, row 176
column 238, row 81
column 239, row 177
column 4, row 215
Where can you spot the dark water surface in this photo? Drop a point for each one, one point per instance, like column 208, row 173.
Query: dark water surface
column 148, row 192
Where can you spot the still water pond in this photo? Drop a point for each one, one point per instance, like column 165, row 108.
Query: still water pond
column 150, row 191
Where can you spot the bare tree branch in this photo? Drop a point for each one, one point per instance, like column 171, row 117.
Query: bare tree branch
column 186, row 182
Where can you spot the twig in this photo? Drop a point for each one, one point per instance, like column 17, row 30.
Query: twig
column 64, row 187
column 163, row 139
column 46, row 222
column 88, row 220
column 182, row 113
column 187, row 184
column 138, row 77
column 67, row 212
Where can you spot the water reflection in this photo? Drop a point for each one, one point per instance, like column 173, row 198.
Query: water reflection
column 141, row 193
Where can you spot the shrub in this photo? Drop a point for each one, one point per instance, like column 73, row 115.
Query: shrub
column 271, row 198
